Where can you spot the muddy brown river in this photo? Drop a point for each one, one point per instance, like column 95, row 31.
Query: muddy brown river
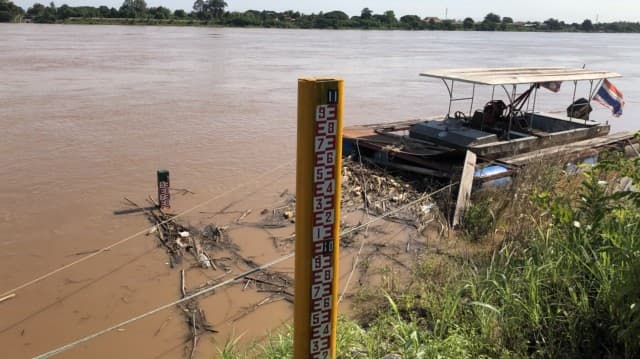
column 89, row 113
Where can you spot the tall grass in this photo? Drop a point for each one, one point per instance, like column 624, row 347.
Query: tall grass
column 477, row 221
column 569, row 288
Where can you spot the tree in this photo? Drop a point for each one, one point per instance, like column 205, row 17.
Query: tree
column 179, row 14
column 85, row 11
column 490, row 22
column 35, row 10
column 587, row 25
column 553, row 24
column 336, row 15
column 247, row 18
column 209, row 9
column 507, row 20
column 447, row 25
column 198, row 7
column 133, row 8
column 390, row 17
column 216, row 7
column 432, row 25
column 269, row 18
column 492, row 18
column 468, row 23
column 65, row 11
column 160, row 13
column 366, row 14
column 10, row 12
column 412, row 22
column 332, row 19
column 104, row 11
column 292, row 14
column 41, row 14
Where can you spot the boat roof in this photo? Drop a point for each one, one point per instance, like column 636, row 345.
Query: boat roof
column 519, row 75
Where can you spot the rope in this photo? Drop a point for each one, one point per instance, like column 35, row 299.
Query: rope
column 126, row 239
column 228, row 281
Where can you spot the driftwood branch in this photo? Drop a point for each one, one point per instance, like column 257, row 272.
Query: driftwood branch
column 194, row 333
column 243, row 216
column 183, row 191
column 183, row 284
column 246, row 285
column 266, row 282
column 253, row 308
column 91, row 252
column 276, row 291
column 161, row 326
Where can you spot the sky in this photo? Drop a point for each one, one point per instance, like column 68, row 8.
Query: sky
column 534, row 10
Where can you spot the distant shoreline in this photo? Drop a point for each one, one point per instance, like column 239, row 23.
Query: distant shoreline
column 213, row 24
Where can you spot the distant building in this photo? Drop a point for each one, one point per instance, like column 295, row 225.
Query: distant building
column 434, row 18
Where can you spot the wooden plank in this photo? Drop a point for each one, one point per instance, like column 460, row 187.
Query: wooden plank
column 466, row 182
column 569, row 148
column 400, row 123
column 632, row 149
column 415, row 169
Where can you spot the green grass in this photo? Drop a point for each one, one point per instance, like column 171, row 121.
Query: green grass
column 477, row 221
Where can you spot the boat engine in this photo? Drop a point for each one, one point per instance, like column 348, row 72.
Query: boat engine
column 493, row 112
column 580, row 108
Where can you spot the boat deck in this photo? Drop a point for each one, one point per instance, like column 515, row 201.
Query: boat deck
column 388, row 145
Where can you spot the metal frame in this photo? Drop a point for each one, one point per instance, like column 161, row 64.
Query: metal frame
column 519, row 75
column 511, row 96
column 451, row 99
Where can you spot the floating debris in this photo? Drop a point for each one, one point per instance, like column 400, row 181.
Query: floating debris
column 204, row 260
column 379, row 191
column 368, row 189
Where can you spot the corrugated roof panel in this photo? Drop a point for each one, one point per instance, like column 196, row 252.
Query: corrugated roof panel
column 519, row 75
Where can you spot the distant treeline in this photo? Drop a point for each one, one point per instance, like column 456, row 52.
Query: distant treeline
column 212, row 12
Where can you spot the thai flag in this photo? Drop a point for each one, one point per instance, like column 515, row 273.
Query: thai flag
column 609, row 96
column 552, row 86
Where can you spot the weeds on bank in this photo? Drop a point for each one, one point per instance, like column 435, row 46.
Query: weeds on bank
column 230, row 349
column 564, row 282
column 477, row 221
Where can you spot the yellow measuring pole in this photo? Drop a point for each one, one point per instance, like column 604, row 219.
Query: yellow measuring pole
column 318, row 182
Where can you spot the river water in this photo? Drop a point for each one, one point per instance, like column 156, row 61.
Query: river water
column 88, row 113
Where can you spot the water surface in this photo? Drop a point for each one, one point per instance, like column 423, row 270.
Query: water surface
column 88, row 113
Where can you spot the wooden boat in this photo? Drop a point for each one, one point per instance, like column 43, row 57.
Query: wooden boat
column 502, row 133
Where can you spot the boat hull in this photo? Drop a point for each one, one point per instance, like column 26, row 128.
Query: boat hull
column 517, row 146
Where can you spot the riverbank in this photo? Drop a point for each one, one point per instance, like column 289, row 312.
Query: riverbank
column 558, row 277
